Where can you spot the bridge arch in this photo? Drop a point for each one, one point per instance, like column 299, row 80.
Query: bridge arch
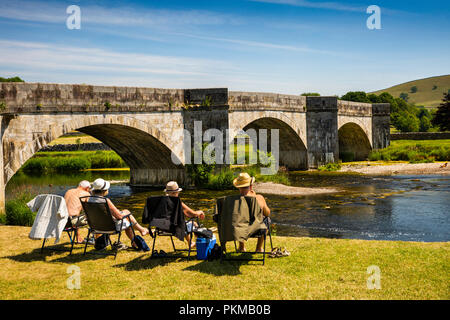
column 292, row 149
column 354, row 143
column 145, row 148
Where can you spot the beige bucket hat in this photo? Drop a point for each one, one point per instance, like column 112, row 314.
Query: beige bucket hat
column 172, row 186
column 243, row 180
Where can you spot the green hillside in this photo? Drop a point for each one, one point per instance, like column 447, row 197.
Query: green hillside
column 429, row 91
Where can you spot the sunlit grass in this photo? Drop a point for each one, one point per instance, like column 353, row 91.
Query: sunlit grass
column 317, row 269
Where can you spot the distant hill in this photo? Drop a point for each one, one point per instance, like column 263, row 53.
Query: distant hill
column 429, row 91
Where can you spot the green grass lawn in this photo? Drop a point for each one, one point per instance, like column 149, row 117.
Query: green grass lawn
column 83, row 138
column 317, row 269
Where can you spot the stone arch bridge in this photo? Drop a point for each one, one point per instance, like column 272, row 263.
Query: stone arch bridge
column 147, row 127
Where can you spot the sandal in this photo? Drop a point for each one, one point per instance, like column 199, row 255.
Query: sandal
column 274, row 252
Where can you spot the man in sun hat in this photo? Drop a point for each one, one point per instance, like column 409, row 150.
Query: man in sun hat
column 72, row 198
column 244, row 182
column 173, row 190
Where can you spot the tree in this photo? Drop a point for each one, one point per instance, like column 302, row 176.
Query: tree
column 356, row 96
column 425, row 124
column 311, row 94
column 404, row 96
column 407, row 122
column 413, row 89
column 374, row 98
column 442, row 116
column 12, row 79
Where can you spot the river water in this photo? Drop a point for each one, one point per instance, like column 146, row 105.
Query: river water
column 408, row 208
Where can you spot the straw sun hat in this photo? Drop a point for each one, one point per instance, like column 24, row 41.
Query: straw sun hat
column 172, row 186
column 243, row 180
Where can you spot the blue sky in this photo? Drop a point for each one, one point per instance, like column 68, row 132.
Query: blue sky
column 283, row 46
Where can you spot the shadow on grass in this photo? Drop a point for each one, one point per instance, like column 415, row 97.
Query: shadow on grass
column 144, row 262
column 227, row 268
column 62, row 250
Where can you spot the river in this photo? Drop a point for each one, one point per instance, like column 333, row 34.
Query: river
column 407, row 208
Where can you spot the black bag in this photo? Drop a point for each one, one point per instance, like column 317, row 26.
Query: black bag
column 141, row 244
column 215, row 253
column 203, row 233
column 102, row 242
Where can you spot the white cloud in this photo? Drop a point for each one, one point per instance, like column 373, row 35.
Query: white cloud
column 55, row 12
column 317, row 5
column 52, row 57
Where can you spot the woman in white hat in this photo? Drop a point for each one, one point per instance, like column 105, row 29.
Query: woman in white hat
column 100, row 188
column 173, row 190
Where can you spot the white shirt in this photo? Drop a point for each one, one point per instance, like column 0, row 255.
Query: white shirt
column 51, row 217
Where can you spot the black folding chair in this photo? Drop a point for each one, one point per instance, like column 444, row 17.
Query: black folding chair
column 148, row 216
column 165, row 233
column 101, row 221
column 71, row 231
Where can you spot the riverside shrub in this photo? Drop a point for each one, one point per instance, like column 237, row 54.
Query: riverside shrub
column 17, row 212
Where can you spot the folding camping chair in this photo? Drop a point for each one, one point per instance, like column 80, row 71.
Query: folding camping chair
column 163, row 223
column 47, row 224
column 268, row 222
column 260, row 229
column 100, row 221
column 71, row 231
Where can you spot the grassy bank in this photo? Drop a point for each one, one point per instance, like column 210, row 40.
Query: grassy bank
column 414, row 151
column 317, row 269
column 47, row 162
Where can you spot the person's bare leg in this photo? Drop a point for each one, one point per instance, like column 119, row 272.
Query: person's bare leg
column 259, row 245
column 78, row 235
column 241, row 247
column 188, row 237
column 138, row 227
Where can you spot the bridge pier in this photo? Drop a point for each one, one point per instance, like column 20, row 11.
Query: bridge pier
column 381, row 117
column 157, row 177
column 322, row 131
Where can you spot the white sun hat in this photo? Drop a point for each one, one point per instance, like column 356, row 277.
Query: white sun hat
column 100, row 184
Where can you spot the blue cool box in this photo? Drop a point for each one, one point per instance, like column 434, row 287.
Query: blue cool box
column 204, row 246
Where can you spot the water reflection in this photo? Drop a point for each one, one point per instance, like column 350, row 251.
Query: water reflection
column 410, row 208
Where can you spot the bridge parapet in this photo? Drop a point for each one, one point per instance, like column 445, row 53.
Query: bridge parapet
column 255, row 101
column 19, row 97
column 381, row 109
column 351, row 108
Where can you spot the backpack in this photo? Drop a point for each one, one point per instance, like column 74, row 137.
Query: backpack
column 102, row 242
column 141, row 244
column 215, row 253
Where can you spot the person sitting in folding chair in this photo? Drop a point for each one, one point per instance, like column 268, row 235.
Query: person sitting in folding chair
column 173, row 190
column 245, row 185
column 72, row 198
column 100, row 188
